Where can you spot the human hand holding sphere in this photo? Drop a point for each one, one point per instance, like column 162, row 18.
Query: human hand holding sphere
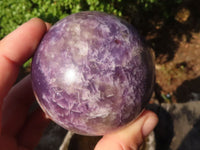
column 24, row 51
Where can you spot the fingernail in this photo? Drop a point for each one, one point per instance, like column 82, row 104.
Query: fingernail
column 149, row 125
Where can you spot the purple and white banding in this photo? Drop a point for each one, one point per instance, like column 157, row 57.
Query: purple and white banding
column 92, row 73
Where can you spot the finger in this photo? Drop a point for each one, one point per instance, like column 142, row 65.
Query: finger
column 15, row 49
column 16, row 106
column 33, row 130
column 48, row 25
column 8, row 143
column 131, row 136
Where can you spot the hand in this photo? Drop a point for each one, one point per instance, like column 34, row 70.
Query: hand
column 131, row 136
column 19, row 129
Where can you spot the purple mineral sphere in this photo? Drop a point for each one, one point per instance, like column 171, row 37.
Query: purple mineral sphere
column 91, row 73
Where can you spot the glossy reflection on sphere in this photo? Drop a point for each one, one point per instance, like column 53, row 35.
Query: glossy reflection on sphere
column 91, row 73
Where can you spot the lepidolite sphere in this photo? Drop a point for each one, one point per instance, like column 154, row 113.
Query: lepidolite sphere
column 91, row 73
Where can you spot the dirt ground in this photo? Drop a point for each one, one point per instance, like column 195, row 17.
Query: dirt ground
column 177, row 59
column 179, row 79
column 175, row 41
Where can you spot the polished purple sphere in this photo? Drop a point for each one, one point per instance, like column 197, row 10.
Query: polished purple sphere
column 91, row 73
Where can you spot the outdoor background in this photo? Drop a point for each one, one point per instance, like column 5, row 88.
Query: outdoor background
column 171, row 29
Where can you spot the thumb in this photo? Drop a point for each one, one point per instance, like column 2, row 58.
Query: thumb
column 131, row 136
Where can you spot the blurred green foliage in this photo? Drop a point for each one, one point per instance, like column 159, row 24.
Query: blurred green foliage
column 15, row 12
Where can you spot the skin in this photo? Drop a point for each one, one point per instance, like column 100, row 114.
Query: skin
column 21, row 129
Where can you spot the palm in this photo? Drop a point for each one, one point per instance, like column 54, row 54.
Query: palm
column 20, row 128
